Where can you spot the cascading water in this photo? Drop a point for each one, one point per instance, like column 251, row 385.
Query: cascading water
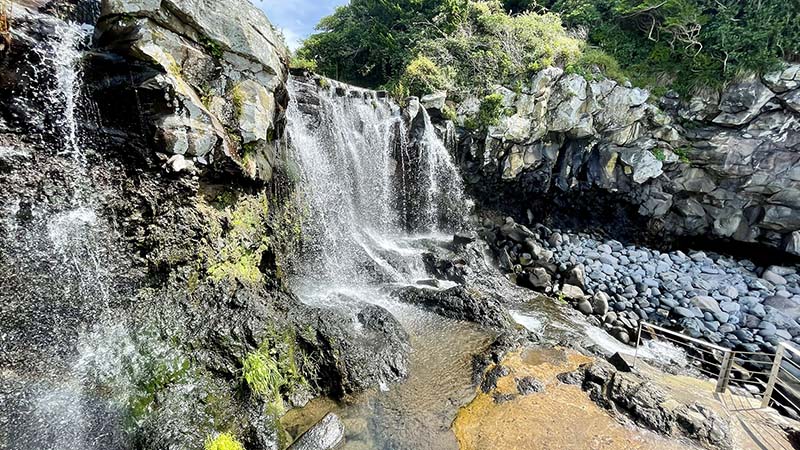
column 58, row 274
column 347, row 148
column 367, row 183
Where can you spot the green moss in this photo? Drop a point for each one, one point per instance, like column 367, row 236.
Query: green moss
column 238, row 98
column 260, row 372
column 206, row 95
column 239, row 255
column 273, row 369
column 659, row 154
column 223, row 441
column 323, row 83
column 213, row 47
column 248, row 241
column 158, row 366
column 174, row 69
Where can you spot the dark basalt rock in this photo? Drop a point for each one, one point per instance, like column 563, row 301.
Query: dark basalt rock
column 352, row 360
column 640, row 400
column 529, row 385
column 458, row 303
column 489, row 382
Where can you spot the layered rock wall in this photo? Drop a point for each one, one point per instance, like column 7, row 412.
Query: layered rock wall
column 716, row 166
column 210, row 84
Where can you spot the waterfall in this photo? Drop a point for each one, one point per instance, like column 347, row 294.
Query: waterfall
column 59, row 275
column 347, row 148
column 445, row 202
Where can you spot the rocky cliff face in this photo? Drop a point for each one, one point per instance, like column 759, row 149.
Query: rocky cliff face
column 209, row 85
column 594, row 151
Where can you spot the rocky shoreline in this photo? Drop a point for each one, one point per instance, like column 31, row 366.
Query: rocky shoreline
column 729, row 302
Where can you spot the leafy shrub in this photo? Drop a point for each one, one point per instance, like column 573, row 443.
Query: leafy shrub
column 492, row 47
column 422, row 76
column 688, row 44
column 223, row 441
column 595, row 63
column 303, row 64
column 371, row 42
column 490, row 110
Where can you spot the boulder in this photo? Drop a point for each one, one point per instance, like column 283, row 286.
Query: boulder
column 327, row 434
column 742, row 102
column 784, row 80
column 574, row 293
column 434, row 101
column 706, row 303
column 600, row 304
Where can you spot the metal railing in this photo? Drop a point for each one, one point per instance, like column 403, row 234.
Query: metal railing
column 773, row 378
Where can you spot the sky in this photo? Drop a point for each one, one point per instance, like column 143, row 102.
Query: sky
column 297, row 18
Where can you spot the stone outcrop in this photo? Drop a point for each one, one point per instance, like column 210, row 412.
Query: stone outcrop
column 210, row 84
column 714, row 166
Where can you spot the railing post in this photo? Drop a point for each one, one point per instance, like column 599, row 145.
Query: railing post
column 638, row 341
column 724, row 372
column 773, row 375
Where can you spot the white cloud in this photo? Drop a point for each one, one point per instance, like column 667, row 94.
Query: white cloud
column 293, row 39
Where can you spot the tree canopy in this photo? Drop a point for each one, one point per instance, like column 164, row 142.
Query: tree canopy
column 419, row 45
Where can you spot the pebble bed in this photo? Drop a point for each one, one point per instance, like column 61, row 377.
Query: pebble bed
column 730, row 302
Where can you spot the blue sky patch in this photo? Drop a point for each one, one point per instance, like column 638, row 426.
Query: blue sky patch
column 297, row 18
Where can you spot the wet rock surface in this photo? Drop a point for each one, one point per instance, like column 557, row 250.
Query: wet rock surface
column 459, row 303
column 645, row 403
column 523, row 403
column 325, row 435
column 136, row 276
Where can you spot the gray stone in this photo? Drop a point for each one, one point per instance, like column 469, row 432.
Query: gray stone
column 683, row 312
column 783, row 304
column 585, row 307
column 327, row 434
column 773, row 278
column 573, row 293
column 743, row 101
column 434, row 101
column 600, row 304
column 706, row 303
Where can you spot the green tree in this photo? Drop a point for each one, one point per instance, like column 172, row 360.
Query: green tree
column 370, row 42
